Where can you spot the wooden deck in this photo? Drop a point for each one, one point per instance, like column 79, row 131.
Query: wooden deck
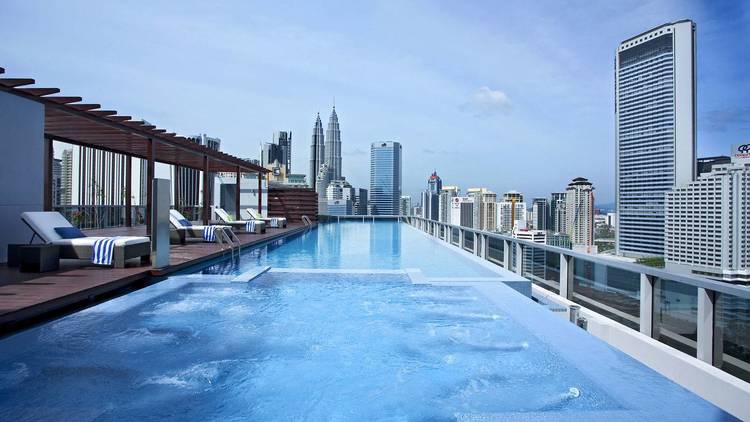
column 28, row 298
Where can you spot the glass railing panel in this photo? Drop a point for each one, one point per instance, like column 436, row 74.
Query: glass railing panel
column 512, row 256
column 676, row 314
column 455, row 236
column 496, row 251
column 469, row 241
column 542, row 268
column 732, row 335
column 612, row 292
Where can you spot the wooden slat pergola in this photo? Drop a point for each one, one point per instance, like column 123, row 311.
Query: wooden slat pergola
column 68, row 119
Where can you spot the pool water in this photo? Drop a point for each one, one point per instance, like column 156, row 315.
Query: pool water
column 358, row 245
column 339, row 345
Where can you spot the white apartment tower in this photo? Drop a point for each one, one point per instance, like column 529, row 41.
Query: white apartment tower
column 444, row 203
column 485, row 208
column 462, row 211
column 707, row 225
column 654, row 129
column 579, row 214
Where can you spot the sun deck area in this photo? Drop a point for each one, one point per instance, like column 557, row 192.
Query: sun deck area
column 27, row 298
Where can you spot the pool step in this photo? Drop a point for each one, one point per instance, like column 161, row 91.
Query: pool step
column 250, row 275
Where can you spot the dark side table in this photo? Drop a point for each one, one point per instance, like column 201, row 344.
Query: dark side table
column 39, row 258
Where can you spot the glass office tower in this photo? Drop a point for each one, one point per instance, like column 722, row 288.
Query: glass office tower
column 654, row 129
column 385, row 178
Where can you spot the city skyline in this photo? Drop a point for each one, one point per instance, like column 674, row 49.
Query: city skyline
column 437, row 100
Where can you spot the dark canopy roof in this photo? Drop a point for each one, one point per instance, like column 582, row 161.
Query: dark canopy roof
column 68, row 119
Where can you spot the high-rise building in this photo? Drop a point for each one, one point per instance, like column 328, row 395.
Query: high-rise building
column 557, row 212
column 360, row 201
column 485, row 208
column 707, row 225
column 385, row 177
column 444, row 202
column 431, row 197
column 539, row 213
column 99, row 177
column 56, row 181
column 462, row 211
column 317, row 152
column 321, row 184
column 405, row 207
column 340, row 196
column 655, row 131
column 579, row 213
column 66, row 177
column 284, row 140
column 511, row 212
column 333, row 146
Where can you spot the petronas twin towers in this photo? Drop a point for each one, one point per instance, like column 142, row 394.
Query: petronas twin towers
column 325, row 153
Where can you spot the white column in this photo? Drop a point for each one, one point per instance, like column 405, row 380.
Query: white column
column 705, row 322
column 461, row 236
column 507, row 254
column 566, row 278
column 519, row 259
column 647, row 305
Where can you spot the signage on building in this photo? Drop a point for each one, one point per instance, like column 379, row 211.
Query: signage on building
column 741, row 152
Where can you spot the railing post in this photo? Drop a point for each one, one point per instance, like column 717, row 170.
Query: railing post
column 519, row 259
column 483, row 249
column 566, row 275
column 461, row 237
column 705, row 335
column 507, row 244
column 647, row 305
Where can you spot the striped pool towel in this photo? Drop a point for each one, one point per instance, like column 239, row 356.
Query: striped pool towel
column 209, row 233
column 250, row 226
column 274, row 222
column 104, row 251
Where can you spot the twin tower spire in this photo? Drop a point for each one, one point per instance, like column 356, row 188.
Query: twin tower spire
column 325, row 150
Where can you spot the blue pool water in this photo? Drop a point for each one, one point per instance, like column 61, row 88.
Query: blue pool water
column 294, row 345
column 357, row 245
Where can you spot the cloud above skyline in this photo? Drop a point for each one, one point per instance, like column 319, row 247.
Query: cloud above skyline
column 488, row 94
column 486, row 102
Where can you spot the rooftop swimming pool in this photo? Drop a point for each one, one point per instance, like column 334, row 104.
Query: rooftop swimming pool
column 357, row 245
column 297, row 344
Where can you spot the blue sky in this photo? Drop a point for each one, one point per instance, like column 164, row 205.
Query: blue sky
column 505, row 95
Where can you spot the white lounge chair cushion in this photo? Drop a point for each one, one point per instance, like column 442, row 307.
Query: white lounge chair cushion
column 89, row 241
column 257, row 216
column 44, row 223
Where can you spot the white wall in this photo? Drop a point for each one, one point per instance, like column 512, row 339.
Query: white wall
column 21, row 167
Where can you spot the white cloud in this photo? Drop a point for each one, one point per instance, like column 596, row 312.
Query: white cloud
column 486, row 102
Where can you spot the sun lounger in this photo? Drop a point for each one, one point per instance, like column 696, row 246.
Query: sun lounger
column 255, row 226
column 184, row 229
column 44, row 223
column 273, row 222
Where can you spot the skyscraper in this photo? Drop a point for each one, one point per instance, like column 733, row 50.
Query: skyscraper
column 385, row 177
column 511, row 212
column 317, row 152
column 430, row 197
column 405, row 208
column 655, row 131
column 557, row 212
column 444, row 203
column 66, row 177
column 284, row 140
column 333, row 146
column 485, row 208
column 540, row 213
column 579, row 213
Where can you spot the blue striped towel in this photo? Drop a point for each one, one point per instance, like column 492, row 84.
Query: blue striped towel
column 274, row 222
column 250, row 226
column 209, row 233
column 103, row 251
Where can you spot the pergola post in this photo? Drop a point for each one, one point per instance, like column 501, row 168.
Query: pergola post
column 151, row 156
column 128, row 190
column 177, row 198
column 237, row 196
column 48, row 159
column 260, row 193
column 206, row 202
